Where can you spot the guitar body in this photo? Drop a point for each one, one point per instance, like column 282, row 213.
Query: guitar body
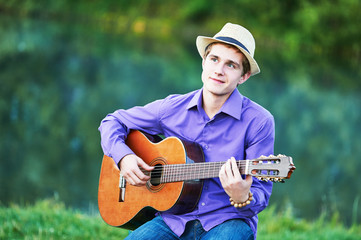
column 138, row 205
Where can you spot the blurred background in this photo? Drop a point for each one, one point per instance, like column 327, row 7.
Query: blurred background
column 65, row 64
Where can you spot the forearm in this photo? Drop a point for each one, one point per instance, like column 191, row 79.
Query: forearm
column 113, row 134
column 115, row 128
column 262, row 143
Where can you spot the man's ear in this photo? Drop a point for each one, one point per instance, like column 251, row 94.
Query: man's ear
column 244, row 78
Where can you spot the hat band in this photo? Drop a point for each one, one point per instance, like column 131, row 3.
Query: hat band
column 232, row 40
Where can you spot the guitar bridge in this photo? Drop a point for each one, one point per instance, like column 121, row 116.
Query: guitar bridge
column 122, row 184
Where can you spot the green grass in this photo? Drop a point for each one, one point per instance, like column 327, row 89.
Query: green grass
column 283, row 225
column 50, row 219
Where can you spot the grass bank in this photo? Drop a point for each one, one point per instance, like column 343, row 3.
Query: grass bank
column 50, row 219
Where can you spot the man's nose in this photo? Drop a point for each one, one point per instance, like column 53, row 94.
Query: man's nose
column 219, row 69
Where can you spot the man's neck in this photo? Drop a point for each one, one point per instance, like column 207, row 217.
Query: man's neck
column 213, row 103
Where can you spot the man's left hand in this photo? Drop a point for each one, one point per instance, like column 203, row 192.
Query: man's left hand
column 235, row 186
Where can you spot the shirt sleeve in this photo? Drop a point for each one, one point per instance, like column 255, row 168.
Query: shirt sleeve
column 261, row 142
column 115, row 127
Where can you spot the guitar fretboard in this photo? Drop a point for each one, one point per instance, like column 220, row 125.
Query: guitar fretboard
column 184, row 172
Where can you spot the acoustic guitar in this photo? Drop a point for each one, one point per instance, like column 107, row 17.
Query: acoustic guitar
column 175, row 182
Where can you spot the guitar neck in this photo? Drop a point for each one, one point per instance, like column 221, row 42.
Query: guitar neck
column 184, row 172
column 274, row 168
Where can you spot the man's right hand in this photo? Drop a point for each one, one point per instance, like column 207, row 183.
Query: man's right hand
column 129, row 168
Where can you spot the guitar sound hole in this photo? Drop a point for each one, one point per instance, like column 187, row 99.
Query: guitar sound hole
column 156, row 175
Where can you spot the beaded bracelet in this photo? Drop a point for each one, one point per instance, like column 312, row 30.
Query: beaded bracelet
column 239, row 205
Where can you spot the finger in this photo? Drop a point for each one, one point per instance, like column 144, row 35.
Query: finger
column 136, row 181
column 229, row 170
column 223, row 178
column 222, row 172
column 235, row 170
column 249, row 179
column 129, row 179
column 140, row 176
column 144, row 165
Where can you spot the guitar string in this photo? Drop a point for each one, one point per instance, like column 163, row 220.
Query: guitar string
column 175, row 172
column 202, row 165
column 181, row 176
column 198, row 165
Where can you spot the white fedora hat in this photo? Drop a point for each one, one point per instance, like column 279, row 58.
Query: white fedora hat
column 235, row 35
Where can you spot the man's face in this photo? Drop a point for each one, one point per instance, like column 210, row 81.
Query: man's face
column 222, row 70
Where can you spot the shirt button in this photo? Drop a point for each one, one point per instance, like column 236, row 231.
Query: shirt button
column 206, row 146
column 203, row 204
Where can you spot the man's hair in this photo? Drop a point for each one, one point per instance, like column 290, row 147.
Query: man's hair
column 245, row 62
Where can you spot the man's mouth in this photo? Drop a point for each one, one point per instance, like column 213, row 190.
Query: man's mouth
column 216, row 80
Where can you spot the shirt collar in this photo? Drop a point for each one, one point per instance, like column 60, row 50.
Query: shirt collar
column 196, row 101
column 232, row 107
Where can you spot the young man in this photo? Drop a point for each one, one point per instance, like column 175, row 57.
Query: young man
column 226, row 124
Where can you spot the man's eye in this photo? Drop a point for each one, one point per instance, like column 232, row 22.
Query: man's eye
column 231, row 65
column 214, row 59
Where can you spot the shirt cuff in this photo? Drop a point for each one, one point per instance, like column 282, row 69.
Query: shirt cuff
column 120, row 151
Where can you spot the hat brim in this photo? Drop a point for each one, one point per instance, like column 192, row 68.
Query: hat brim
column 202, row 42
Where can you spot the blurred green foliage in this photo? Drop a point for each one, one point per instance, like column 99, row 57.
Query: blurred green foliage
column 64, row 65
column 294, row 34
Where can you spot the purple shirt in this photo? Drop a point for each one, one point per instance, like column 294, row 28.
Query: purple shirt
column 241, row 128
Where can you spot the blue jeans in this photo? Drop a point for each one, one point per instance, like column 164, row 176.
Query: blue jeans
column 157, row 229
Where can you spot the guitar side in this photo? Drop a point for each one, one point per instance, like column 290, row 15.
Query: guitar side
column 141, row 203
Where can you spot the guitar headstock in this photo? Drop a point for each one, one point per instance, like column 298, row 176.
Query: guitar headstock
column 271, row 168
